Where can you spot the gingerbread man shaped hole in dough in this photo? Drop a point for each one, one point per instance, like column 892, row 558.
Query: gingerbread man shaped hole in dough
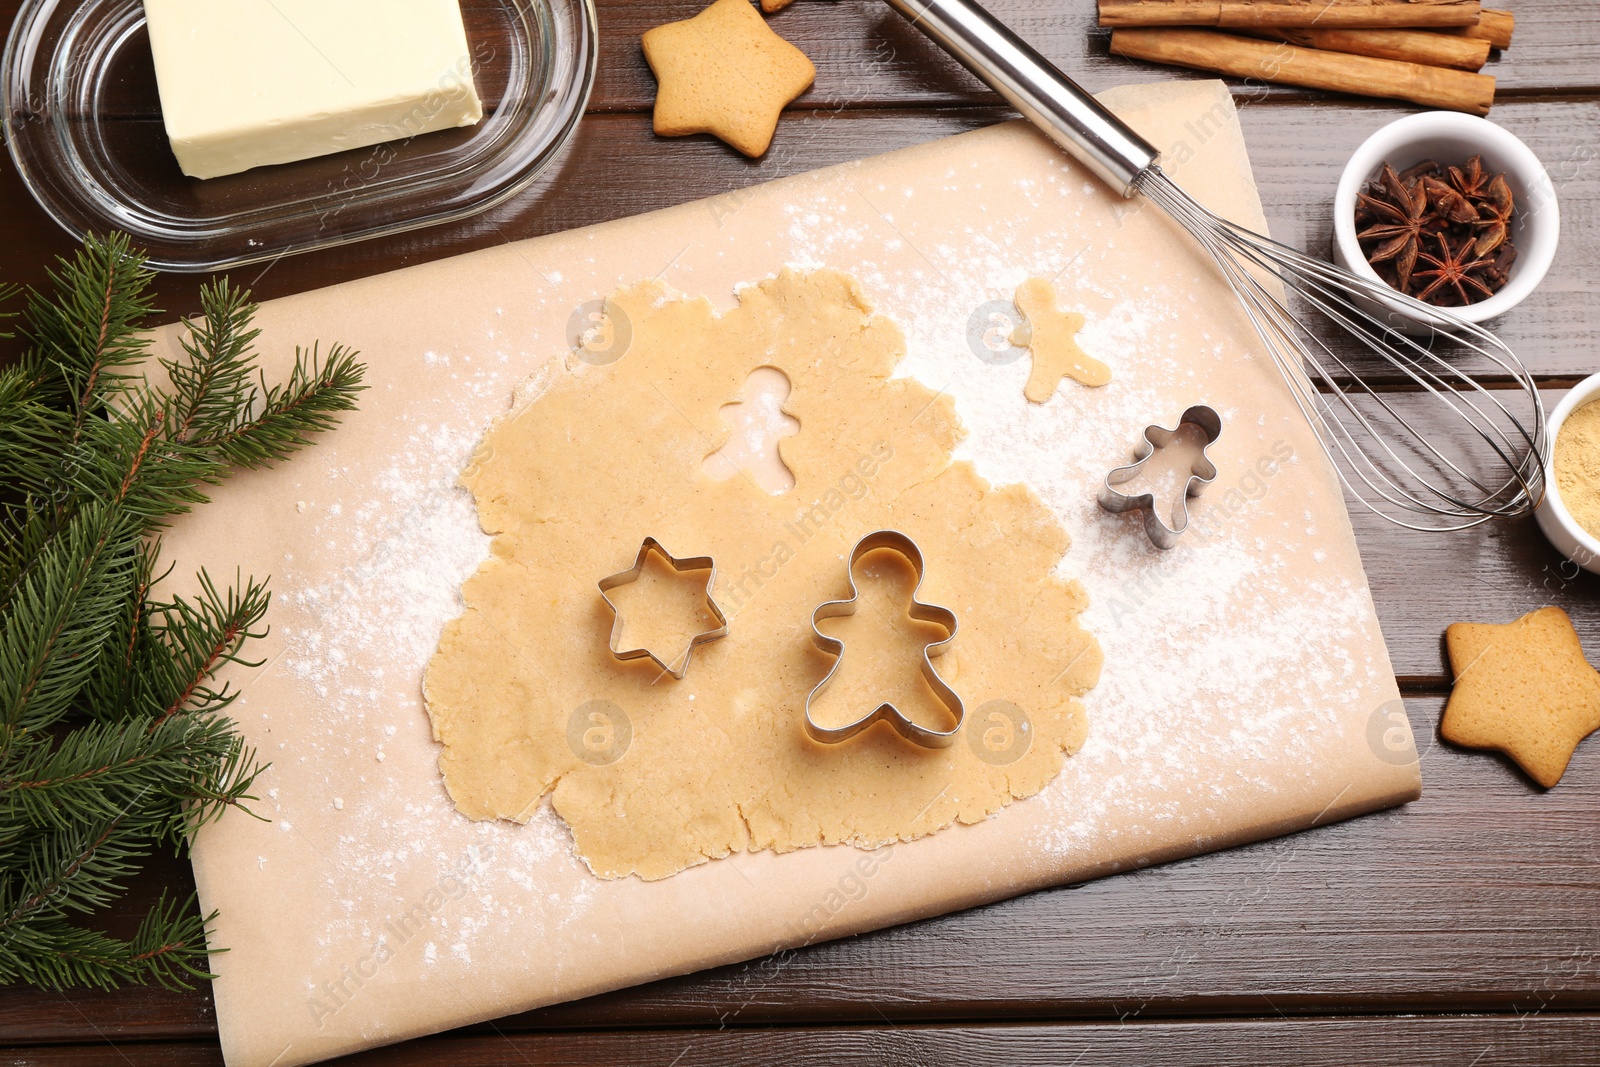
column 757, row 424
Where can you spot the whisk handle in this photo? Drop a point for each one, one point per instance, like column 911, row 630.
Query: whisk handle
column 1036, row 87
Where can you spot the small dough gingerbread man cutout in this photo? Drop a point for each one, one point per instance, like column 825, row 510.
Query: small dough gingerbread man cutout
column 1523, row 688
column 724, row 72
column 1048, row 335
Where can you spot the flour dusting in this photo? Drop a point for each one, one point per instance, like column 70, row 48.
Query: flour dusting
column 1223, row 620
column 1223, row 628
column 364, row 637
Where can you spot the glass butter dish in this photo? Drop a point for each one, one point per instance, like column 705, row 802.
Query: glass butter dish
column 83, row 125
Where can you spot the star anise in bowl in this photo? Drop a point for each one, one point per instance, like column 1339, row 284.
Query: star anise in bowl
column 1457, row 220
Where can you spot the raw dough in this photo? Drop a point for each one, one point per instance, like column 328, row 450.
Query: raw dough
column 523, row 693
column 1049, row 335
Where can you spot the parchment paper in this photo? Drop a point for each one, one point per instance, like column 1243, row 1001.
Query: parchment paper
column 1247, row 690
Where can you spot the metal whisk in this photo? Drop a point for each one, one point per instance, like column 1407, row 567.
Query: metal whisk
column 1486, row 462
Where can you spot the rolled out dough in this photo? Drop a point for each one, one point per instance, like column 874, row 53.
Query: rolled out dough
column 654, row 775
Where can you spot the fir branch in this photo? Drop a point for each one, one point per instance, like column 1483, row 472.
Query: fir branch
column 81, row 869
column 125, row 669
column 112, row 739
column 84, row 335
column 55, row 624
column 212, row 386
column 169, row 949
column 102, row 769
column 131, row 462
column 27, row 530
column 215, row 408
column 30, row 432
column 162, row 658
column 310, row 401
column 202, row 635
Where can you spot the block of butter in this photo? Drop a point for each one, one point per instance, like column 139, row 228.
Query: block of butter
column 245, row 83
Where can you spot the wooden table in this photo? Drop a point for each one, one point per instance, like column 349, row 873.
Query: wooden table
column 1463, row 929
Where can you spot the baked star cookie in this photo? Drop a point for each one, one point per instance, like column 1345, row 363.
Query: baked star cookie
column 724, row 72
column 1522, row 688
column 1049, row 335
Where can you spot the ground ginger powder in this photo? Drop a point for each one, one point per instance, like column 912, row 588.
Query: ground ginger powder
column 1577, row 465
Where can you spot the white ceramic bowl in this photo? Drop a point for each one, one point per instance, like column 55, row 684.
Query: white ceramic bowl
column 1452, row 138
column 1570, row 539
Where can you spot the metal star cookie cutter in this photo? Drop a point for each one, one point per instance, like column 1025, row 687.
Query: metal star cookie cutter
column 887, row 712
column 691, row 563
column 1201, row 474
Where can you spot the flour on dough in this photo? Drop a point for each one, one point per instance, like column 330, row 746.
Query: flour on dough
column 569, row 484
column 1050, row 336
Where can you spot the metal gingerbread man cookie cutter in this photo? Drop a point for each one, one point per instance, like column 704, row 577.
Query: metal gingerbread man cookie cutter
column 1201, row 474
column 690, row 563
column 887, row 712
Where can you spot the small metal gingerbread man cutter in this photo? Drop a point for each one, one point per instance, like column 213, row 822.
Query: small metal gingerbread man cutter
column 1201, row 474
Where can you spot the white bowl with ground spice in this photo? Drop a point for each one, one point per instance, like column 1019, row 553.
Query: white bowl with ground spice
column 1569, row 514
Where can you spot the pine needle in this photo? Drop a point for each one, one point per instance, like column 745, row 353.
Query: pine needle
column 55, row 625
column 30, row 431
column 8, row 293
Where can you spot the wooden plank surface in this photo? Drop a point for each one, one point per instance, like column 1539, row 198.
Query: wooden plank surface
column 1427, row 1041
column 1297, row 163
column 1484, row 896
column 867, row 56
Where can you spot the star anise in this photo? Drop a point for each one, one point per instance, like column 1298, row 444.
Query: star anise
column 1470, row 181
column 1454, row 267
column 1466, row 211
column 1399, row 222
column 1426, row 169
column 1449, row 203
column 1495, row 210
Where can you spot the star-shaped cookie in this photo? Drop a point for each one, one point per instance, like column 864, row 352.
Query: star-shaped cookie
column 724, row 72
column 1049, row 336
column 1522, row 688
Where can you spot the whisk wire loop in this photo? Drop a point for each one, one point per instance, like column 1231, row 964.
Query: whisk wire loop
column 1486, row 463
column 1395, row 459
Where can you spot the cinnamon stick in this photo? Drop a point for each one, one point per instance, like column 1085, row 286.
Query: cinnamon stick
column 1324, row 14
column 1271, row 61
column 1160, row 12
column 1493, row 26
column 1408, row 46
